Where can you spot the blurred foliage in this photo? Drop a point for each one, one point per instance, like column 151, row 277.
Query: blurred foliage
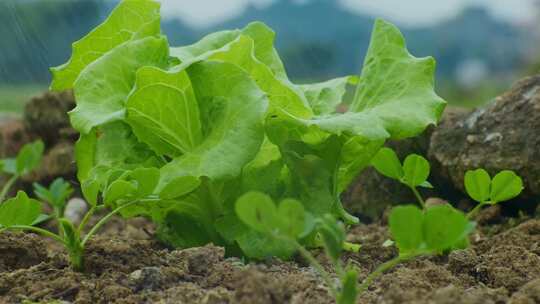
column 14, row 97
column 318, row 40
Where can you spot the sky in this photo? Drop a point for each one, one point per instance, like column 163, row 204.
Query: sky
column 201, row 13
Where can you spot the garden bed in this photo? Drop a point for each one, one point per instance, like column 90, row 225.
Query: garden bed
column 124, row 265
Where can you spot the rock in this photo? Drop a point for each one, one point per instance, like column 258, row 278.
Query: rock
column 489, row 215
column 202, row 259
column 147, row 278
column 435, row 201
column 59, row 160
column 46, row 115
column 75, row 210
column 13, row 136
column 504, row 135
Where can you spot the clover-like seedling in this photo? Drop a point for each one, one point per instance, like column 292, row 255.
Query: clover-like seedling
column 480, row 187
column 413, row 173
column 416, row 232
column 27, row 160
column 56, row 195
column 288, row 222
column 127, row 190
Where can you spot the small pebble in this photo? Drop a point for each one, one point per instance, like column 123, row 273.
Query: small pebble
column 76, row 208
column 145, row 278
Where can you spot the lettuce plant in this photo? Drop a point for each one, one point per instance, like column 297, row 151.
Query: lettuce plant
column 191, row 129
column 27, row 160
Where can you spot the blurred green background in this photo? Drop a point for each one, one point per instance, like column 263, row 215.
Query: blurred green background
column 479, row 52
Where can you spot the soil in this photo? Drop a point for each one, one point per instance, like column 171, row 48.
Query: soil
column 124, row 265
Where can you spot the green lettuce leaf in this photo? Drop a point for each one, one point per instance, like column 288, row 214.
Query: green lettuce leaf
column 102, row 88
column 394, row 79
column 252, row 50
column 130, row 19
column 232, row 107
column 163, row 111
column 324, row 97
column 395, row 99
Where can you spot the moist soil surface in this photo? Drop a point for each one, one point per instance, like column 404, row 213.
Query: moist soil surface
column 124, row 265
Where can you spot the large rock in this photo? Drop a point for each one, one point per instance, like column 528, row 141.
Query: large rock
column 504, row 135
column 57, row 161
column 13, row 136
column 46, row 116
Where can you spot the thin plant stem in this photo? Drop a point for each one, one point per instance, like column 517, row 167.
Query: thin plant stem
column 382, row 269
column 418, row 197
column 107, row 217
column 88, row 216
column 320, row 269
column 475, row 210
column 36, row 230
column 7, row 187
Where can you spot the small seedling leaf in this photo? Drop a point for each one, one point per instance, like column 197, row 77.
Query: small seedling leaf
column 387, row 163
column 9, row 166
column 444, row 227
column 57, row 194
column 406, row 228
column 258, row 211
column 416, row 170
column 477, row 184
column 60, row 191
column 332, row 232
column 29, row 157
column 426, row 184
column 505, row 185
column 293, row 217
column 349, row 288
column 42, row 218
column 19, row 211
column 309, row 224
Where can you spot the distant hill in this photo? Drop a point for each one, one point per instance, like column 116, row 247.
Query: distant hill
column 317, row 40
column 321, row 39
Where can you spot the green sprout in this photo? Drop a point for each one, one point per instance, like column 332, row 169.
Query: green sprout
column 24, row 213
column 413, row 173
column 486, row 191
column 422, row 233
column 27, row 160
column 289, row 222
column 416, row 232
